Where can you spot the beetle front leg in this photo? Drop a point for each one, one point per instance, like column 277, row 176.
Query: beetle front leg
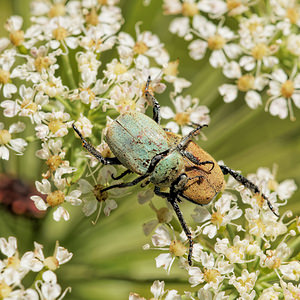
column 94, row 152
column 152, row 101
column 182, row 144
column 248, row 184
column 125, row 184
column 121, row 175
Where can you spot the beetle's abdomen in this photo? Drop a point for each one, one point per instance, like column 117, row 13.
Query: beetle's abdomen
column 135, row 139
column 212, row 181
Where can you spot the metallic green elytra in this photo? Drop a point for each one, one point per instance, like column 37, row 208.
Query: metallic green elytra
column 135, row 139
column 166, row 159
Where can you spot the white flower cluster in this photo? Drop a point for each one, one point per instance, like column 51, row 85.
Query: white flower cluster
column 53, row 75
column 239, row 253
column 258, row 52
column 14, row 268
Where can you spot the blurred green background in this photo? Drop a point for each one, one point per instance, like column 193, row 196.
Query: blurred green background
column 108, row 259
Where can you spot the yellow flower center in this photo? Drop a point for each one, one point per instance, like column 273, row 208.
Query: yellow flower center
column 235, row 251
column 53, row 162
column 211, row 275
column 13, row 261
column 259, row 51
column 17, row 37
column 276, row 263
column 253, row 26
column 5, row 137
column 102, row 2
column 92, row 17
column 189, row 9
column 140, row 48
column 172, row 68
column 245, row 82
column 29, row 105
column 92, row 95
column 232, row 4
column 4, row 76
column 119, row 69
column 216, row 42
column 55, row 198
column 260, row 225
column 51, row 263
column 55, row 125
column 57, row 9
column 177, row 248
column 287, row 89
column 217, row 218
column 182, row 118
column 41, row 62
column 292, row 14
column 259, row 199
column 60, row 33
column 5, row 290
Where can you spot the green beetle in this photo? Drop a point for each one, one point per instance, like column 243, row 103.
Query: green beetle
column 165, row 159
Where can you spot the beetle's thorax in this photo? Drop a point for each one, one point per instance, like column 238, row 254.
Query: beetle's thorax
column 167, row 170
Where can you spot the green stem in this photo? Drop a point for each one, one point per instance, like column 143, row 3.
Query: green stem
column 68, row 70
column 65, row 103
column 268, row 277
column 37, row 277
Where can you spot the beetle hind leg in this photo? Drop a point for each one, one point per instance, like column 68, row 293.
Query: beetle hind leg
column 248, row 184
column 172, row 197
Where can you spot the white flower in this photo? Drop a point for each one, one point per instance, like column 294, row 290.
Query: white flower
column 245, row 283
column 7, row 59
column 216, row 38
column 249, row 84
column 29, row 106
column 9, row 247
column 56, row 125
column 55, row 198
column 162, row 239
column 222, row 215
column 7, row 142
column 138, row 51
column 187, row 111
column 291, row 270
column 283, row 90
column 293, row 44
column 92, row 195
column 49, row 287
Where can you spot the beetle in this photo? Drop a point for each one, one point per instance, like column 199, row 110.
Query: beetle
column 165, row 159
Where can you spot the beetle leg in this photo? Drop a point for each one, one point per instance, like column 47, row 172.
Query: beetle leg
column 121, row 175
column 125, row 184
column 152, row 101
column 195, row 160
column 248, row 184
column 172, row 200
column 187, row 138
column 94, row 152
